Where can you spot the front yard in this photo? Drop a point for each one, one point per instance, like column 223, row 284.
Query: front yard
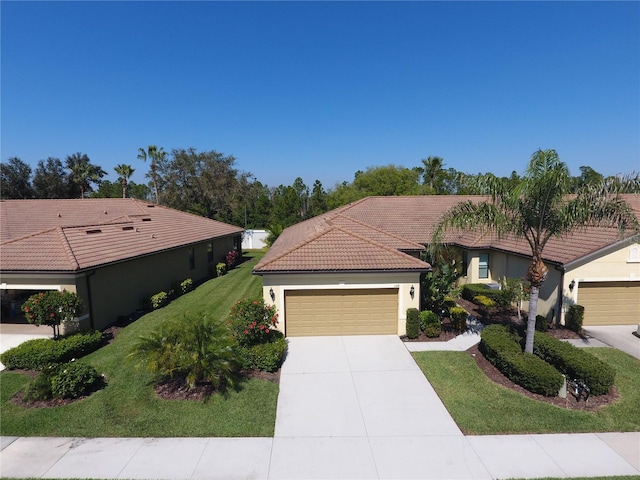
column 128, row 406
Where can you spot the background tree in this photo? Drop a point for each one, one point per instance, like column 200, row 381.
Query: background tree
column 537, row 210
column 155, row 156
column 432, row 168
column 125, row 172
column 15, row 179
column 83, row 174
column 50, row 179
column 318, row 200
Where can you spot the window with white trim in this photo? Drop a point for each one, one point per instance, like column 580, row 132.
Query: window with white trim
column 483, row 265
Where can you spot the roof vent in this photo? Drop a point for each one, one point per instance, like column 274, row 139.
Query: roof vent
column 105, row 212
column 59, row 216
column 150, row 205
column 127, row 228
column 146, row 219
column 91, row 232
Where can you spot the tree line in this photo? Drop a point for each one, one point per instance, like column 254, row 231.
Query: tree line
column 209, row 183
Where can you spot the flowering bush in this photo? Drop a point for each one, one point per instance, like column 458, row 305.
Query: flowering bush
column 232, row 259
column 51, row 308
column 253, row 322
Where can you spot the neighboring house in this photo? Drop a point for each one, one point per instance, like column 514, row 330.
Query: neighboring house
column 112, row 252
column 254, row 239
column 356, row 269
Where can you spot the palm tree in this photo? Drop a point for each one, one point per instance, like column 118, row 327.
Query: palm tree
column 125, row 172
column 83, row 173
column 432, row 168
column 155, row 156
column 537, row 209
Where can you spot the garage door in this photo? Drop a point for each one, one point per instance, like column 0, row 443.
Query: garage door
column 343, row 312
column 610, row 303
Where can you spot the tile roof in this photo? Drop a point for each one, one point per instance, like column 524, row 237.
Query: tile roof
column 72, row 235
column 406, row 223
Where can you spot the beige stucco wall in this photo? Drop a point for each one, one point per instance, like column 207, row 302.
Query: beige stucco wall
column 620, row 263
column 503, row 265
column 313, row 281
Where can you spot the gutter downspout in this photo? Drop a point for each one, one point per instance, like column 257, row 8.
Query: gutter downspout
column 560, row 300
column 87, row 277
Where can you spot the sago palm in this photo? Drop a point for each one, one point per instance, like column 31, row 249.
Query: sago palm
column 538, row 209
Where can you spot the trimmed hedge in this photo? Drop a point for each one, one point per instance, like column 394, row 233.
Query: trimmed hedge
column 575, row 315
column 472, row 290
column 484, row 301
column 458, row 316
column 502, row 349
column 575, row 363
column 37, row 353
column 263, row 356
column 430, row 324
column 413, row 323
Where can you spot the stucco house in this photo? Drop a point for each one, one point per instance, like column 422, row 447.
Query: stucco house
column 111, row 252
column 356, row 269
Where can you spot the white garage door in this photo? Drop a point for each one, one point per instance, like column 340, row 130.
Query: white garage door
column 341, row 312
column 610, row 303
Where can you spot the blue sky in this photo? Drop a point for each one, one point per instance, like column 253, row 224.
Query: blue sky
column 323, row 89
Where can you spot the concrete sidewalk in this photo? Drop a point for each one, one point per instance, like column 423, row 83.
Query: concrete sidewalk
column 349, row 408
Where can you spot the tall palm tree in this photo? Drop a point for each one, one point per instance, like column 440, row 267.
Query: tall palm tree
column 125, row 172
column 432, row 168
column 155, row 156
column 537, row 209
column 83, row 173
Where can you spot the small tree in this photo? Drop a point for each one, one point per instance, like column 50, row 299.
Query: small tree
column 253, row 321
column 52, row 308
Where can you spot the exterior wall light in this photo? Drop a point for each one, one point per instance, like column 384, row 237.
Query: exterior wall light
column 272, row 294
column 572, row 285
column 412, row 292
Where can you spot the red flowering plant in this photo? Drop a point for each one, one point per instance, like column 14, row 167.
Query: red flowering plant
column 232, row 259
column 52, row 308
column 253, row 322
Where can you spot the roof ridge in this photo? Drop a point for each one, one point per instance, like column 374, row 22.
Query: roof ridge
column 30, row 235
column 392, row 235
column 67, row 249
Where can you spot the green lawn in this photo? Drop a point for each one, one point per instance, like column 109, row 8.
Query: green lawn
column 127, row 407
column 481, row 407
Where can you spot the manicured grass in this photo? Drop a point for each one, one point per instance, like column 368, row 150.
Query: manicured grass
column 128, row 407
column 481, row 407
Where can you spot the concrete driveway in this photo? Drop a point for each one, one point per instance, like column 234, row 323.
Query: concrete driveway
column 617, row 336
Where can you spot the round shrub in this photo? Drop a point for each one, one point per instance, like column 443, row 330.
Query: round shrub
column 73, row 380
column 430, row 324
column 253, row 322
column 574, row 318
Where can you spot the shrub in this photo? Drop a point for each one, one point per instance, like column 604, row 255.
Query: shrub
column 52, row 308
column 575, row 315
column 73, row 380
column 430, row 324
column 186, row 286
column 37, row 353
column 194, row 348
column 502, row 349
column 484, row 301
column 471, row 290
column 263, row 356
column 449, row 302
column 575, row 363
column 541, row 323
column 458, row 317
column 40, row 387
column 252, row 321
column 232, row 259
column 413, row 323
column 221, row 269
column 159, row 300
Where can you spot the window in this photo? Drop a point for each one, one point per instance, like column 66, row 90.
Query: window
column 634, row 254
column 210, row 252
column 483, row 265
column 192, row 258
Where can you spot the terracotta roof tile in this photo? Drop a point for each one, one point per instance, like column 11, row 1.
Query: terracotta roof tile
column 69, row 235
column 402, row 222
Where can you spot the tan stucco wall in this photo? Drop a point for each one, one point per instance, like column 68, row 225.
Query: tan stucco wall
column 618, row 264
column 402, row 281
column 511, row 266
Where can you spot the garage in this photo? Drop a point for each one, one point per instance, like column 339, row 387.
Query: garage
column 610, row 303
column 341, row 312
